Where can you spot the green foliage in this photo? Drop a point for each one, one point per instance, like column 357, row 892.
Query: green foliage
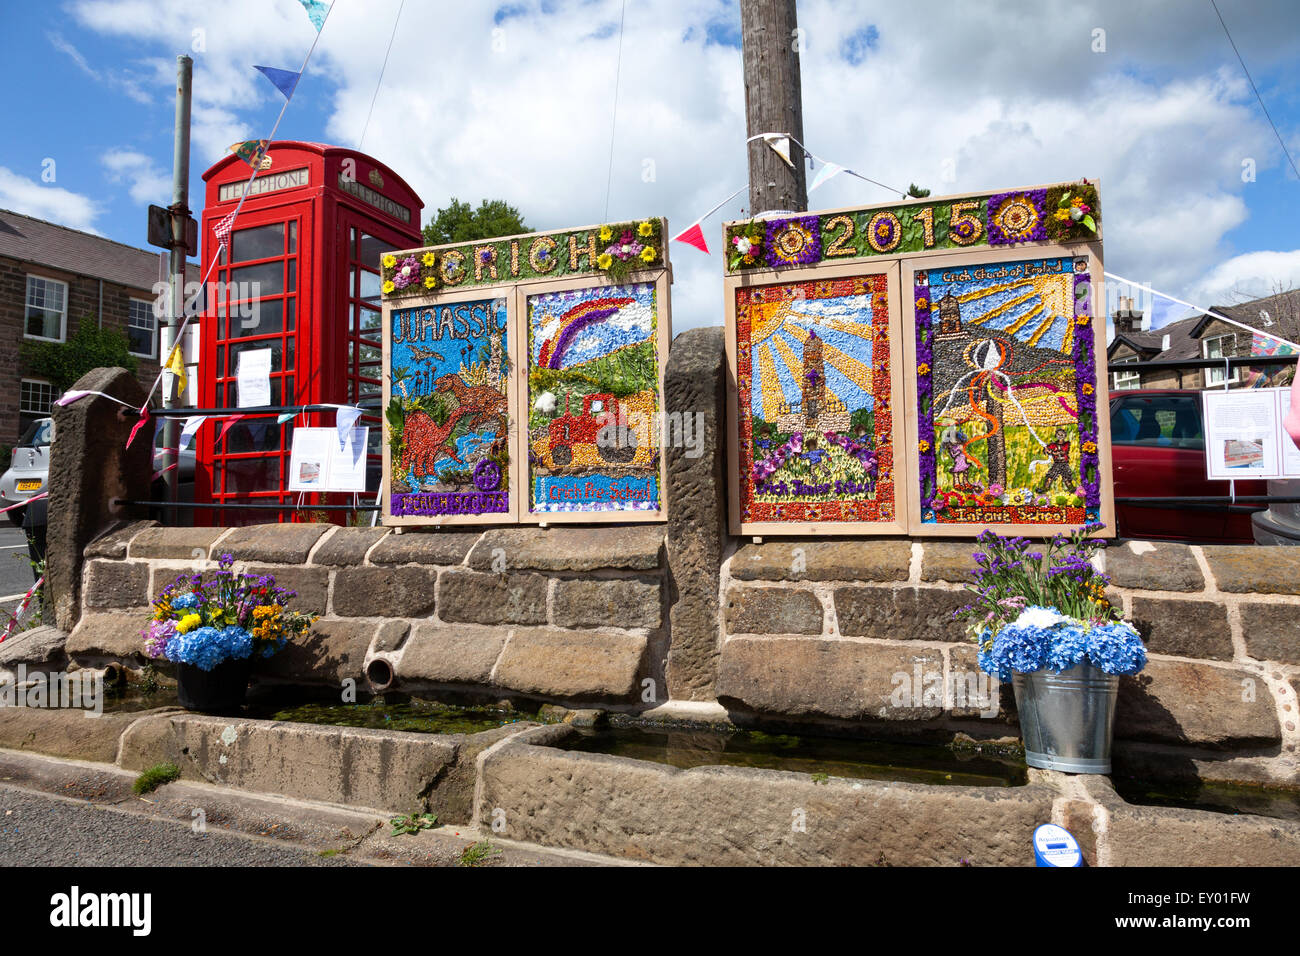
column 155, row 777
column 460, row 222
column 413, row 823
column 478, row 853
column 90, row 348
column 820, row 777
column 916, row 192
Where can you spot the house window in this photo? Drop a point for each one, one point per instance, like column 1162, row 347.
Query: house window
column 1125, row 380
column 47, row 309
column 1217, row 348
column 142, row 329
column 35, row 399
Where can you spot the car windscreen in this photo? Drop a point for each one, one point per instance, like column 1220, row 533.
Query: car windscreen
column 1168, row 421
column 40, row 434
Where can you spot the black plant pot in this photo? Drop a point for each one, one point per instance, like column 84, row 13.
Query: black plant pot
column 220, row 690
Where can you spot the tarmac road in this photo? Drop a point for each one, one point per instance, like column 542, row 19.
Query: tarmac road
column 15, row 569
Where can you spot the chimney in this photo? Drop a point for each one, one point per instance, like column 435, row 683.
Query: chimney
column 1127, row 320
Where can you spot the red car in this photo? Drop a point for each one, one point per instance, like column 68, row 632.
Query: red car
column 1157, row 442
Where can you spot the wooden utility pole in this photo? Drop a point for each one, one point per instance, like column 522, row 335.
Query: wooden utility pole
column 773, row 104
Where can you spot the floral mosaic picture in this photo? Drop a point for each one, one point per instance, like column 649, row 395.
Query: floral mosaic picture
column 815, row 414
column 1006, row 394
column 593, row 399
column 447, row 419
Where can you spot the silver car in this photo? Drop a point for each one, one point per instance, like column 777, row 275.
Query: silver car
column 29, row 467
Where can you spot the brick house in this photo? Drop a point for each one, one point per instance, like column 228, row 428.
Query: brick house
column 53, row 278
column 1205, row 337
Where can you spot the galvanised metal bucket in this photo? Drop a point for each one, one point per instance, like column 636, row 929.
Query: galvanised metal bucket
column 1067, row 719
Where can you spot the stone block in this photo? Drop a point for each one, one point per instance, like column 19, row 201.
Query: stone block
column 311, row 585
column 822, row 560
column 275, row 543
column 571, row 664
column 562, row 548
column 473, row 598
column 1201, row 704
column 116, row 584
column 110, row 634
column 113, row 542
column 186, row 544
column 948, row 561
column 626, row 602
column 1183, row 628
column 425, row 547
column 1272, row 631
column 334, row 651
column 347, row 546
column 450, row 653
column 772, row 610
column 913, row 614
column 1255, row 569
column 1154, row 567
column 811, row 677
column 384, row 592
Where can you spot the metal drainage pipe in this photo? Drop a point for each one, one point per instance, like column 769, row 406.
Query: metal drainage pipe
column 380, row 674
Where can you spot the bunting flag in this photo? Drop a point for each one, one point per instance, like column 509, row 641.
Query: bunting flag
column 144, row 417
column 286, row 81
column 693, row 236
column 222, row 229
column 285, row 418
column 344, row 420
column 188, row 431
column 176, row 365
column 779, row 145
column 226, row 427
column 828, row 172
column 253, row 152
column 316, row 12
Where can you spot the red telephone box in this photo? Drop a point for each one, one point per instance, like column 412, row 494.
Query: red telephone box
column 300, row 277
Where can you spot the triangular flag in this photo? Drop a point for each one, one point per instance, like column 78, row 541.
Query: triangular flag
column 693, row 236
column 144, row 417
column 187, row 431
column 779, row 144
column 285, row 80
column 252, row 152
column 176, row 365
column 222, row 229
column 344, row 420
column 316, row 12
column 285, row 418
column 828, row 172
column 226, row 427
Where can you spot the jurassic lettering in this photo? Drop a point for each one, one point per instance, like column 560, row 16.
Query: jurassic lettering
column 466, row 320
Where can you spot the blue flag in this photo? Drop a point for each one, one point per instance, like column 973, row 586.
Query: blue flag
column 316, row 11
column 285, row 80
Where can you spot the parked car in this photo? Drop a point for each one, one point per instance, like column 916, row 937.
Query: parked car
column 29, row 467
column 1157, row 441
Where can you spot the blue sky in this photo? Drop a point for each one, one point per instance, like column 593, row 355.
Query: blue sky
column 515, row 101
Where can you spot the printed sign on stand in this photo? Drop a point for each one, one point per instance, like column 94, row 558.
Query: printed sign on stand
column 320, row 462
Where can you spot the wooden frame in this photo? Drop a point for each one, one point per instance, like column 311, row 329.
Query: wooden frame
column 661, row 279
column 1023, row 252
column 512, row 356
column 847, row 270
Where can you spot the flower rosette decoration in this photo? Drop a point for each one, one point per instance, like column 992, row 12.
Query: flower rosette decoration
column 1017, row 217
column 746, row 246
column 1035, row 610
column 627, row 247
column 924, row 391
column 1073, row 212
column 229, row 617
column 793, row 242
column 408, row 274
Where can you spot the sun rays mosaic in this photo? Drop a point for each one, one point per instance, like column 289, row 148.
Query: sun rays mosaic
column 1006, row 394
column 815, row 404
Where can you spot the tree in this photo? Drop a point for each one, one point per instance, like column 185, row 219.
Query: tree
column 916, row 192
column 62, row 363
column 460, row 222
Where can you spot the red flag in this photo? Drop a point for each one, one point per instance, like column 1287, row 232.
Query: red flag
column 226, row 427
column 222, row 229
column 144, row 417
column 693, row 236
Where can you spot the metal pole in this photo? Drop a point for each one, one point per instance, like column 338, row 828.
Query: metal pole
column 180, row 216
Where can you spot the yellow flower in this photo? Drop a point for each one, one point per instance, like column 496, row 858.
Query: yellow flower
column 429, row 259
column 388, row 286
column 1087, row 389
column 1089, row 447
column 188, row 623
column 1062, row 214
column 390, row 260
column 430, row 282
column 604, row 260
column 645, row 230
column 924, row 445
column 923, row 369
column 606, row 234
column 648, row 254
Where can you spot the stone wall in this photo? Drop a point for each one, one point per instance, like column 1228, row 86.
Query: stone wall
column 861, row 630
column 564, row 614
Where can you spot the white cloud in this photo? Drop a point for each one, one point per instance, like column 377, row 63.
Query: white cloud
column 997, row 95
column 145, row 181
column 124, row 80
column 1252, row 275
column 52, row 203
